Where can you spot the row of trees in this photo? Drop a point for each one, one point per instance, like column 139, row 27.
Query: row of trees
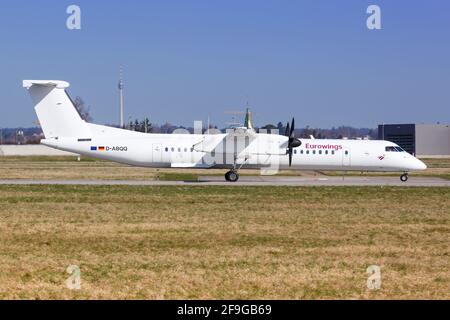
column 34, row 135
column 141, row 126
column 318, row 133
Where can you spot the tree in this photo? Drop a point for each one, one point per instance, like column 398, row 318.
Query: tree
column 147, row 126
column 137, row 126
column 130, row 125
column 82, row 109
column 281, row 128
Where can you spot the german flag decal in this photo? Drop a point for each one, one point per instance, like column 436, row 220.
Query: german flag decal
column 108, row 149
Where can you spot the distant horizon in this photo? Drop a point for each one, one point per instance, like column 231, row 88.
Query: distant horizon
column 185, row 61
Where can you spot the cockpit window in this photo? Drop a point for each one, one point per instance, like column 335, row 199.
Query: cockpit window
column 399, row 149
column 391, row 149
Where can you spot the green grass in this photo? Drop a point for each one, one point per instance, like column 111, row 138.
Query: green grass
column 175, row 242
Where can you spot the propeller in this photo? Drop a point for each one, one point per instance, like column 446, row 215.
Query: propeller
column 293, row 142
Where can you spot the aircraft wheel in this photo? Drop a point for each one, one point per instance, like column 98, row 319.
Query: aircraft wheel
column 233, row 176
column 404, row 177
column 227, row 176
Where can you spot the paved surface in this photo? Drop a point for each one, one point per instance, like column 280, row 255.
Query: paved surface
column 254, row 181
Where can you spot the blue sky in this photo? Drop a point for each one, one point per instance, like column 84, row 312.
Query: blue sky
column 185, row 60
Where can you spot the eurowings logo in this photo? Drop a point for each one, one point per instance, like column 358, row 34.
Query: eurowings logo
column 381, row 157
column 324, row 146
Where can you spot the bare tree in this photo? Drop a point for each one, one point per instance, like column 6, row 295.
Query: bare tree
column 82, row 109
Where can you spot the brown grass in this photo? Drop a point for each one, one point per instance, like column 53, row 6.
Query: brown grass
column 224, row 242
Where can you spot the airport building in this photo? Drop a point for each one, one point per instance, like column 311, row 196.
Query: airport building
column 418, row 139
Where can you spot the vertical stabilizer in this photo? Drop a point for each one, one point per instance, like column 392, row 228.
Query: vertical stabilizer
column 56, row 112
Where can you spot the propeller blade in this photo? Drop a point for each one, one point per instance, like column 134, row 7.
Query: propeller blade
column 291, row 134
column 292, row 141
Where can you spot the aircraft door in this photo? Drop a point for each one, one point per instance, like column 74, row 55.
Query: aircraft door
column 346, row 157
column 157, row 152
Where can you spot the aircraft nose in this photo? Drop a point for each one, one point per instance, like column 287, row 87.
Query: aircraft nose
column 418, row 165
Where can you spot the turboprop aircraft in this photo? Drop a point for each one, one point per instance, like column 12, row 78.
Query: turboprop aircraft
column 239, row 147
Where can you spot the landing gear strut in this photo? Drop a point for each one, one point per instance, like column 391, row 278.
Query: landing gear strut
column 404, row 177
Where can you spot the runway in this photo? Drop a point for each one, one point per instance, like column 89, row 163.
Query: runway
column 252, row 181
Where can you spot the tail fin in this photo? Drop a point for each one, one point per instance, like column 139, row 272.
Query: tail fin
column 55, row 110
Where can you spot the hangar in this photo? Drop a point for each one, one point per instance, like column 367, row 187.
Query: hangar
column 421, row 140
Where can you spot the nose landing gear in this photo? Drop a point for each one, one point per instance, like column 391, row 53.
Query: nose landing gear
column 404, row 177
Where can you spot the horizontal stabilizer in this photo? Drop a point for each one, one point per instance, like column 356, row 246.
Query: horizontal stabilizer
column 46, row 83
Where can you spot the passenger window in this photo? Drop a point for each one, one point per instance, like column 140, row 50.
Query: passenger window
column 172, row 149
column 326, row 151
column 314, row 151
column 295, row 151
column 179, row 149
column 307, row 151
column 332, row 152
column 167, row 149
column 320, row 151
column 185, row 149
column 346, row 152
column 301, row 151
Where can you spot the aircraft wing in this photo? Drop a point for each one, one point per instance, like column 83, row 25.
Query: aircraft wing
column 209, row 142
column 249, row 143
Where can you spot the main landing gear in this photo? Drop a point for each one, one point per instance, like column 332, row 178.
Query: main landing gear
column 404, row 177
column 232, row 176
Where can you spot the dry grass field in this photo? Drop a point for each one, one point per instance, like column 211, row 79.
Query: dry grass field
column 223, row 242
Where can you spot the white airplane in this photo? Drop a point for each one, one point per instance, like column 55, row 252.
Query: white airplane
column 240, row 147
